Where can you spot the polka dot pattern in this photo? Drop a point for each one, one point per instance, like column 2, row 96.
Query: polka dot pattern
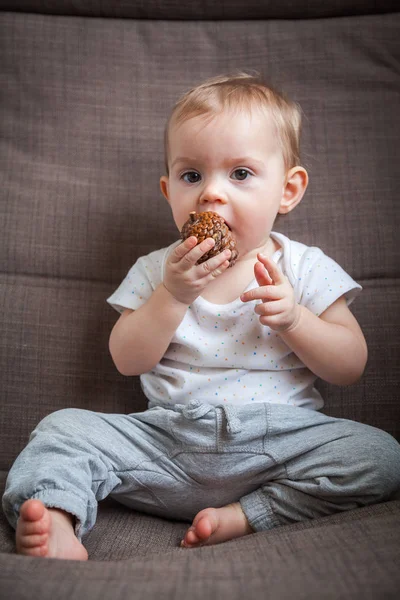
column 221, row 353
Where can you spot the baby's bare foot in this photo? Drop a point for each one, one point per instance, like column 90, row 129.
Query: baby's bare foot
column 216, row 525
column 47, row 532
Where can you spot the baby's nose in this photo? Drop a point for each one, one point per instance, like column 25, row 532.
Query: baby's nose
column 213, row 194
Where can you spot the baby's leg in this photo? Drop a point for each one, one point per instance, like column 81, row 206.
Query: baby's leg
column 74, row 459
column 323, row 466
column 349, row 465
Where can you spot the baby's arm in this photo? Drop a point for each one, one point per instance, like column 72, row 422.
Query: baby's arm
column 140, row 338
column 332, row 345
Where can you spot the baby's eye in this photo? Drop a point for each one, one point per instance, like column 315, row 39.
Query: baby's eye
column 191, row 177
column 240, row 174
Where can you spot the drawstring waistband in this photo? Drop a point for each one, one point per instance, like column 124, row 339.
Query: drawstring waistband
column 196, row 410
column 233, row 424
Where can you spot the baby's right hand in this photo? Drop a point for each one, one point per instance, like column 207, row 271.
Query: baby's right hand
column 183, row 278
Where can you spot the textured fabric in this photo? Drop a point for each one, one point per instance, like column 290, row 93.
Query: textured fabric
column 82, row 113
column 82, row 109
column 355, row 552
column 120, row 532
column 285, row 464
column 63, row 368
column 203, row 9
column 123, row 533
column 221, row 353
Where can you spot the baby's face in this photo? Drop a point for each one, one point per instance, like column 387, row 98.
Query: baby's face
column 231, row 164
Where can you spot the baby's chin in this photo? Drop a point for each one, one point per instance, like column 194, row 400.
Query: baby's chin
column 248, row 250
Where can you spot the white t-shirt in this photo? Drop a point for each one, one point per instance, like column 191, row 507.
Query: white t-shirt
column 221, row 353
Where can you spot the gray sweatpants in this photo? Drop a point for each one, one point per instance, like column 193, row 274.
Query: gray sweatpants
column 283, row 463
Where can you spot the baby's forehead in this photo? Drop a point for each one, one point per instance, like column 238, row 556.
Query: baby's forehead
column 238, row 132
column 251, row 117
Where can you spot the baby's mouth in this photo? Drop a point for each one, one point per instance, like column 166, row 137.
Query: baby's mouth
column 227, row 223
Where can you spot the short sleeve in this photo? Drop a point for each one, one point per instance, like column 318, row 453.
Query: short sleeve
column 322, row 281
column 140, row 282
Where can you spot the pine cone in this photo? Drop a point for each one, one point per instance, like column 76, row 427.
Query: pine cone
column 210, row 224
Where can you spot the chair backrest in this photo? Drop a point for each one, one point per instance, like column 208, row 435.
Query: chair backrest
column 84, row 97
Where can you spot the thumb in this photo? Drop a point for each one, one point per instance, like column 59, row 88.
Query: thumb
column 262, row 274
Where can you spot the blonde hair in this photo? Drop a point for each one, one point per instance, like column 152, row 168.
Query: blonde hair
column 242, row 90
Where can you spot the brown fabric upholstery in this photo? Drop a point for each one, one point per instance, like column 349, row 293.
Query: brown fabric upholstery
column 83, row 109
column 352, row 555
column 83, row 102
column 204, row 9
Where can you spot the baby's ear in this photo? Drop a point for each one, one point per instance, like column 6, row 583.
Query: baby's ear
column 164, row 186
column 293, row 190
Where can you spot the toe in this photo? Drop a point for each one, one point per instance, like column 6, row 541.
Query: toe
column 32, row 531
column 39, row 551
column 190, row 539
column 31, row 541
column 32, row 527
column 206, row 526
column 32, row 510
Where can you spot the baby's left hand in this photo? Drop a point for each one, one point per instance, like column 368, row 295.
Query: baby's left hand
column 279, row 309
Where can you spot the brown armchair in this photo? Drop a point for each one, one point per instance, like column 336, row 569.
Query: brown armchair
column 84, row 94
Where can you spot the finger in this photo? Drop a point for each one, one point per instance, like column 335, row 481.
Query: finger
column 271, row 322
column 265, row 293
column 218, row 271
column 262, row 275
column 201, row 249
column 273, row 270
column 190, row 258
column 269, row 309
column 183, row 249
column 211, row 265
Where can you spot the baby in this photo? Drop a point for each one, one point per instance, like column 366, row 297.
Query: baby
column 233, row 441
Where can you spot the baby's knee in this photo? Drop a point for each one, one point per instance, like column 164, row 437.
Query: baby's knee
column 63, row 420
column 379, row 458
column 389, row 460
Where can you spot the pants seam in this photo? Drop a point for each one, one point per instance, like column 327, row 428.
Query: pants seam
column 218, row 428
column 148, row 489
column 192, row 450
column 267, row 409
